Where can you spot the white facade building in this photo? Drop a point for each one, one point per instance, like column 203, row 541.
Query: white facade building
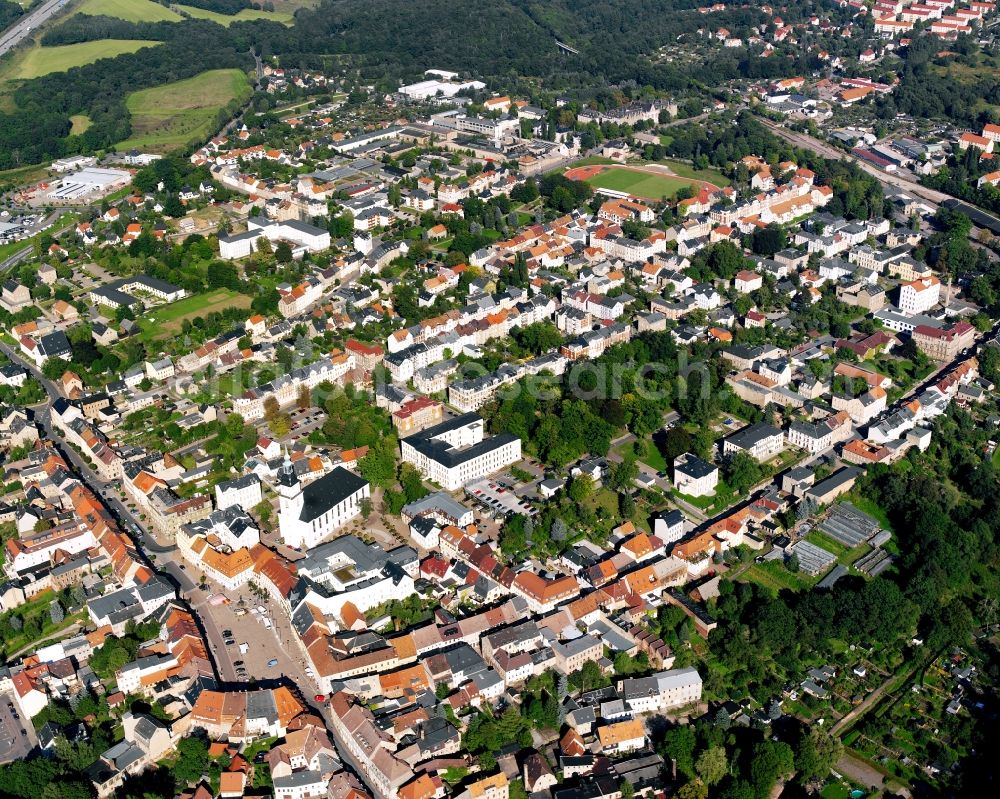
column 308, row 515
column 456, row 451
column 920, row 295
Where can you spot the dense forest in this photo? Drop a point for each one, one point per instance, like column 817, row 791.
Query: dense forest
column 928, row 90
column 509, row 43
column 8, row 13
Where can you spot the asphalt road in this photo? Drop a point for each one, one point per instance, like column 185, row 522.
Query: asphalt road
column 31, row 21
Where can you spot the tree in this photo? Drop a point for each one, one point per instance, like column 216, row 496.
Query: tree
column 283, row 252
column 262, row 510
column 192, row 759
column 271, row 409
column 816, row 753
column 712, row 765
column 768, row 240
column 742, row 472
column 622, row 475
column 676, row 441
column 679, row 744
column 304, row 400
column 378, row 467
column 581, row 488
column 695, row 789
column 771, row 760
column 56, row 613
column 366, row 508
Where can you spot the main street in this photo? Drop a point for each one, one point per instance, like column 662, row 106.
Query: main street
column 105, row 491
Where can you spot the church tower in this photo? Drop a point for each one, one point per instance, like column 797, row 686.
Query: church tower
column 289, row 502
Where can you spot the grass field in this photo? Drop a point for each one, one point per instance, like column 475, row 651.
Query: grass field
column 176, row 114
column 654, row 459
column 80, row 124
column 165, row 322
column 40, row 61
column 685, row 170
column 776, row 577
column 129, row 10
column 245, row 15
column 653, row 187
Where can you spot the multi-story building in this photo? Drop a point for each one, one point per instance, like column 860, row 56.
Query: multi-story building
column 658, row 692
column 944, row 344
column 302, row 236
column 416, row 414
column 456, row 451
column 285, row 388
column 760, row 441
column 920, row 295
column 244, row 492
column 165, row 509
column 694, row 476
column 810, row 437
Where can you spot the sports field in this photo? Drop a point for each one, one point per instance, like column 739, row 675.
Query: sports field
column 40, row 61
column 175, row 114
column 653, row 187
column 650, row 181
column 244, row 15
column 165, row 322
column 129, row 10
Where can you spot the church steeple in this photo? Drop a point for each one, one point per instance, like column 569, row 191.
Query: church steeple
column 286, row 474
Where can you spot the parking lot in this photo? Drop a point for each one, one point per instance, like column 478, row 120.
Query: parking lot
column 498, row 497
column 17, row 736
column 263, row 645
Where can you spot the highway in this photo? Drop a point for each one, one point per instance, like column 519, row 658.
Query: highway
column 31, row 21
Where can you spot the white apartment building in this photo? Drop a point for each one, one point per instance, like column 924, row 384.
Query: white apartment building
column 920, row 295
column 303, row 237
column 667, row 689
column 694, row 476
column 244, row 492
column 813, row 438
column 285, row 388
column 760, row 441
column 456, row 451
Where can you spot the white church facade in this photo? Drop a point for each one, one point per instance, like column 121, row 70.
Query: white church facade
column 308, row 514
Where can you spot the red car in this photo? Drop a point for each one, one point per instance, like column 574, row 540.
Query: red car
column 320, row 698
